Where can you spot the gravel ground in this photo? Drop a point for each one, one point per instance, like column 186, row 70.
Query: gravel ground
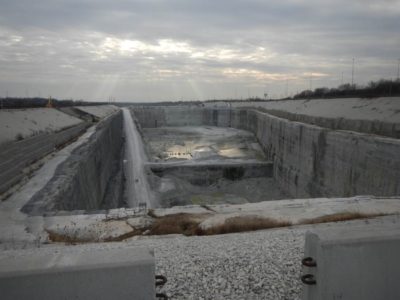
column 253, row 265
column 261, row 264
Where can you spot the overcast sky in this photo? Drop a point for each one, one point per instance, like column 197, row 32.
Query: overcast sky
column 155, row 50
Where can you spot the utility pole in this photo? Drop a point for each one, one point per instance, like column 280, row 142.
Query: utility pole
column 287, row 87
column 311, row 82
column 49, row 103
column 352, row 73
column 341, row 83
column 230, row 114
column 398, row 70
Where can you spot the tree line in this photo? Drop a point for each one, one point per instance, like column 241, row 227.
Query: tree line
column 14, row 102
column 380, row 88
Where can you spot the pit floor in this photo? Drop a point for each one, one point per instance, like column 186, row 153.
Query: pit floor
column 199, row 144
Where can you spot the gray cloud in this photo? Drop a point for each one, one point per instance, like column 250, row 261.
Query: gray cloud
column 158, row 50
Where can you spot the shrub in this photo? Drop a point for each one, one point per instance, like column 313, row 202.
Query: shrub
column 181, row 223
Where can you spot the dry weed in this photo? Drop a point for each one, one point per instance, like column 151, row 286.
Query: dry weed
column 245, row 223
column 340, row 217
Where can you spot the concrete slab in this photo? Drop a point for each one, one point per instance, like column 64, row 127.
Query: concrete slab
column 86, row 229
column 298, row 211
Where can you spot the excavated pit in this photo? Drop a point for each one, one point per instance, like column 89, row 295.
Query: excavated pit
column 195, row 155
column 186, row 144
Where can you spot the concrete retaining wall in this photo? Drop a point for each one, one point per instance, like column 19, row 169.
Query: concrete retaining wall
column 309, row 161
column 16, row 156
column 83, row 181
column 152, row 117
column 377, row 127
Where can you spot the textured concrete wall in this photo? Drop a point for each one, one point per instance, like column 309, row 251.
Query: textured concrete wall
column 150, row 117
column 83, row 180
column 354, row 263
column 78, row 273
column 16, row 156
column 164, row 116
column 309, row 161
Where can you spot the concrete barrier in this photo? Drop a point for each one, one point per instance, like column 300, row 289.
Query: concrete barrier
column 78, row 273
column 353, row 263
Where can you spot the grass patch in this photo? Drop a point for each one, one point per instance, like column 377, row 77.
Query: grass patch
column 188, row 224
column 196, row 200
column 245, row 223
column 341, row 217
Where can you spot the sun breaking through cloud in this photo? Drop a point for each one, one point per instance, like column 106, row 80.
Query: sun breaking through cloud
column 192, row 50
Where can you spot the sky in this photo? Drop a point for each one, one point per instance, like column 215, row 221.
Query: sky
column 153, row 50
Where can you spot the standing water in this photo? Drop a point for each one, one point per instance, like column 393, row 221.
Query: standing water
column 137, row 187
